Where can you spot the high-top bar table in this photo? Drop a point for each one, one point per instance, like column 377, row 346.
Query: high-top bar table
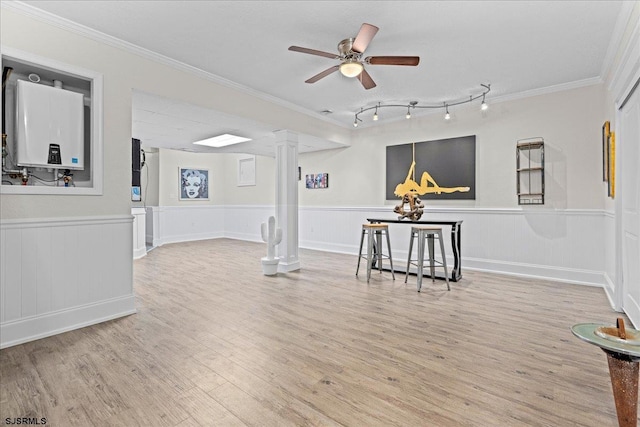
column 456, row 233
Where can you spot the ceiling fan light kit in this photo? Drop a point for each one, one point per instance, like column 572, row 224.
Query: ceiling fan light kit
column 414, row 104
column 351, row 68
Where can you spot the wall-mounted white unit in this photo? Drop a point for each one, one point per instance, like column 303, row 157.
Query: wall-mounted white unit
column 50, row 127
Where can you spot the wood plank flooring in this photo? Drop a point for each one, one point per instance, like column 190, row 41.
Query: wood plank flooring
column 216, row 343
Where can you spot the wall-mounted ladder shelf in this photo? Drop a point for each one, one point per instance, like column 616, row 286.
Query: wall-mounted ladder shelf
column 530, row 171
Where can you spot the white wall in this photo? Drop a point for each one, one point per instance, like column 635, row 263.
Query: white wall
column 570, row 122
column 264, row 192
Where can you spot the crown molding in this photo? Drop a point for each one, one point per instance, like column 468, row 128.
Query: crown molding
column 616, row 38
column 68, row 25
column 627, row 72
column 591, row 81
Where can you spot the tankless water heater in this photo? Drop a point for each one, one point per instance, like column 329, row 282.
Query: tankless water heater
column 50, row 128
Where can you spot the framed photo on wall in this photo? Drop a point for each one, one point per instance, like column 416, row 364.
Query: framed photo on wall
column 310, row 181
column 318, row 180
column 194, row 184
column 247, row 171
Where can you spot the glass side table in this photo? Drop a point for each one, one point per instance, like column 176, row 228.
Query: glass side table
column 623, row 356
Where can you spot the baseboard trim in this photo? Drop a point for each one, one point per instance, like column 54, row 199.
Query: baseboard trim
column 288, row 267
column 187, row 238
column 545, row 272
column 37, row 327
column 246, row 237
column 139, row 253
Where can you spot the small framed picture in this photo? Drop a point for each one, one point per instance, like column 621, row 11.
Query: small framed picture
column 247, row 171
column 319, row 180
column 194, row 184
column 310, row 181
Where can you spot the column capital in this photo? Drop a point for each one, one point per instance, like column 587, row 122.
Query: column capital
column 285, row 135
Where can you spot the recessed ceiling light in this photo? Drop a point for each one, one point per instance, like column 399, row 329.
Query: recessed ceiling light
column 222, row 140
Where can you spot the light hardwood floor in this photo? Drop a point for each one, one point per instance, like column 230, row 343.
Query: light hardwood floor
column 216, row 343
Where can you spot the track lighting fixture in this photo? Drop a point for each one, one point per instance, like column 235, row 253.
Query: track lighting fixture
column 414, row 104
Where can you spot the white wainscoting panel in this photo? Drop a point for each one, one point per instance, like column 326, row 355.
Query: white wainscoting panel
column 243, row 222
column 152, row 230
column 609, row 232
column 62, row 274
column 171, row 224
column 566, row 245
column 139, row 232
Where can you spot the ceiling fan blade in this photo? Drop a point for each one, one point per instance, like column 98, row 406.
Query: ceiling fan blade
column 313, row 52
column 366, row 80
column 362, row 40
column 325, row 73
column 393, row 60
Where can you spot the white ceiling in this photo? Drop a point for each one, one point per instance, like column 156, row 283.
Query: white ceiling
column 516, row 46
column 165, row 123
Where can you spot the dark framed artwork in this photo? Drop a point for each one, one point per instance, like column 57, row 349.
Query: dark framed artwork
column 606, row 135
column 443, row 169
column 194, row 184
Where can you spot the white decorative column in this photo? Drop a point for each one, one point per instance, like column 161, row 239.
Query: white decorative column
column 287, row 199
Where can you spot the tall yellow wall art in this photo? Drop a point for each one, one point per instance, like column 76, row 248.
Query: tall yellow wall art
column 612, row 165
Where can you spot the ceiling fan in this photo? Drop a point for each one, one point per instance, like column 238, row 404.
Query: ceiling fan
column 350, row 56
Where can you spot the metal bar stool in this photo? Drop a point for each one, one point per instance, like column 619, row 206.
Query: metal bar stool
column 374, row 251
column 426, row 233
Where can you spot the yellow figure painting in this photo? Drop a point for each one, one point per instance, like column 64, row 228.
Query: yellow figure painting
column 427, row 184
